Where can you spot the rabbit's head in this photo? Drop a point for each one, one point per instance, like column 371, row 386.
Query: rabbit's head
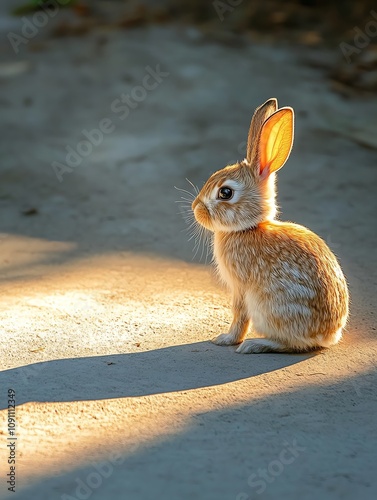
column 241, row 196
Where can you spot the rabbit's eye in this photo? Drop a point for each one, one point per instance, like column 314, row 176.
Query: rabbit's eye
column 225, row 193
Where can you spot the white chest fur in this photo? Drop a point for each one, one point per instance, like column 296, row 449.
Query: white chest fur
column 221, row 262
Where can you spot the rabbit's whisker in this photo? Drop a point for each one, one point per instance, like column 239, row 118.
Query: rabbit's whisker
column 185, row 191
column 196, row 189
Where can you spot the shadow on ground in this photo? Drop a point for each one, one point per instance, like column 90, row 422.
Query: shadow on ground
column 176, row 368
column 299, row 435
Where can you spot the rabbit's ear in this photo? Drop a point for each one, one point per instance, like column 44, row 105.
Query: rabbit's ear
column 276, row 139
column 260, row 116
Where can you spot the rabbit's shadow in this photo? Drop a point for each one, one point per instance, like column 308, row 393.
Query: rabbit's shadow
column 169, row 369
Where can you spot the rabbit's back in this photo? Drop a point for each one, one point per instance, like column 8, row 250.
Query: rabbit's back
column 292, row 282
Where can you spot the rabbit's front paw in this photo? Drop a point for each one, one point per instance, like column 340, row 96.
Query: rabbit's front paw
column 225, row 339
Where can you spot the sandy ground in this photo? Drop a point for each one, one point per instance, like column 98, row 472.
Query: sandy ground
column 105, row 316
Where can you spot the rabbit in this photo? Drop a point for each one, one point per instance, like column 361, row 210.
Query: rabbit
column 284, row 280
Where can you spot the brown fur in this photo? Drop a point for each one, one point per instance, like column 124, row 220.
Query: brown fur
column 284, row 279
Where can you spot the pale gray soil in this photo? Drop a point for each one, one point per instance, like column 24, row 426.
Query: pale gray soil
column 105, row 317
